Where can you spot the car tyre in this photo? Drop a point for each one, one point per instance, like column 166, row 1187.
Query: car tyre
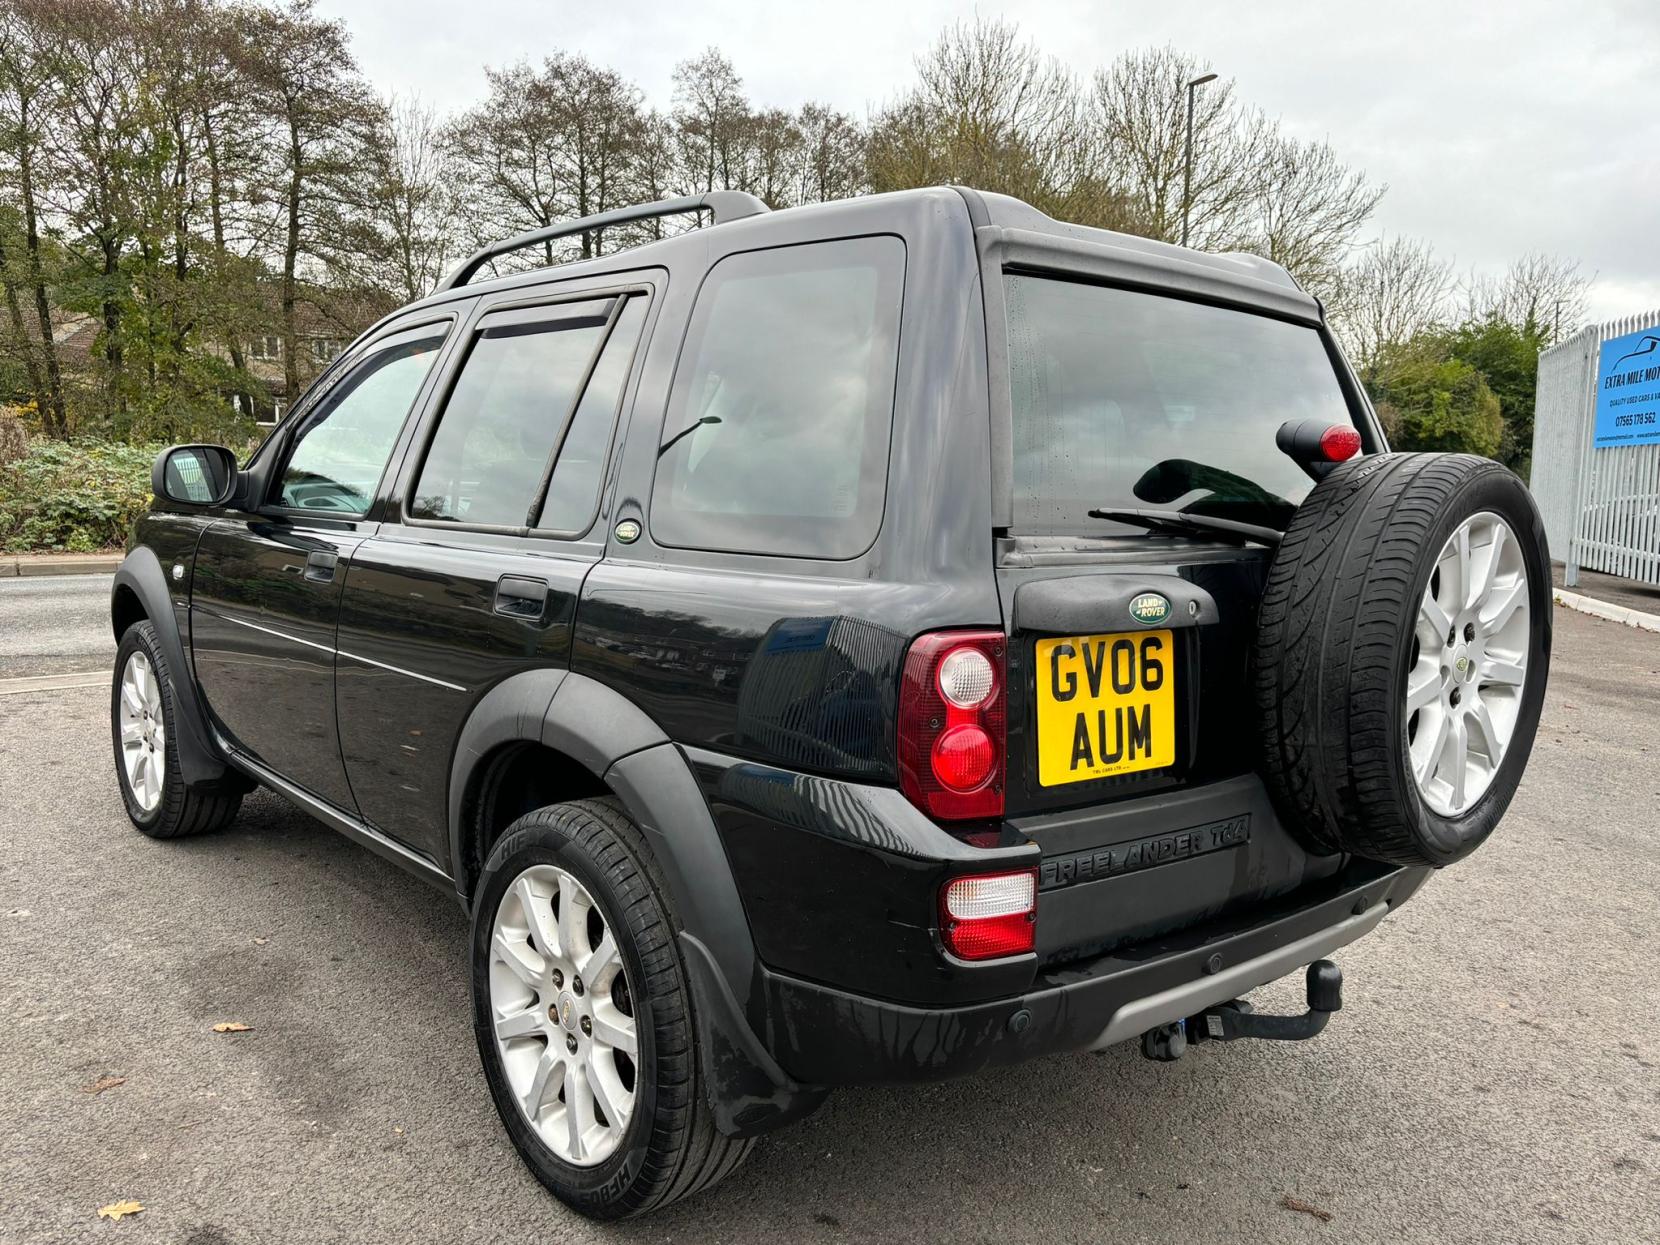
column 561, row 886
column 1401, row 656
column 143, row 724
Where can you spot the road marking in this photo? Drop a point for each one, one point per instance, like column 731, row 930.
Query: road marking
column 55, row 682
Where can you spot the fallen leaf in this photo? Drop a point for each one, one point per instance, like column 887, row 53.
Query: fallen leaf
column 260, row 942
column 232, row 1026
column 117, row 1209
column 1305, row 1208
column 103, row 1083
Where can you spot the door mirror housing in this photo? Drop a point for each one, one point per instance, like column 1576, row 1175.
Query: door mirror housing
column 194, row 475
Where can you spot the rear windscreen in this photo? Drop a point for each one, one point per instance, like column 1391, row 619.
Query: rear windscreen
column 1128, row 400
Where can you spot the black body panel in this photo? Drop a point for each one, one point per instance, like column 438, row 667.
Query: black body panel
column 264, row 601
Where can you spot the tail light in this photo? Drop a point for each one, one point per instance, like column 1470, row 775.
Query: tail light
column 988, row 915
column 952, row 716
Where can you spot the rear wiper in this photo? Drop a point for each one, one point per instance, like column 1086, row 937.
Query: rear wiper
column 1181, row 523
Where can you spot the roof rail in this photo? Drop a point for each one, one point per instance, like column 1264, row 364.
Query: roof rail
column 724, row 205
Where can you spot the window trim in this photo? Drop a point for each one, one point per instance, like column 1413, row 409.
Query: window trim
column 524, row 310
column 299, row 420
column 672, row 387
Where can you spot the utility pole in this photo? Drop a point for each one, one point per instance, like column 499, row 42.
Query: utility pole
column 1187, row 152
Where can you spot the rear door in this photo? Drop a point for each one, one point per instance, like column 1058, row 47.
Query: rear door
column 266, row 588
column 492, row 525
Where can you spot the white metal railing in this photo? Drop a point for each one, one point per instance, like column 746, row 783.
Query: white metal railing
column 1601, row 505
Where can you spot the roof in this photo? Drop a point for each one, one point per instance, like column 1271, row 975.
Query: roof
column 1024, row 235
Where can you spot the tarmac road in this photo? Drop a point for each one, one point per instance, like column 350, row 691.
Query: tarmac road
column 1494, row 1076
column 55, row 625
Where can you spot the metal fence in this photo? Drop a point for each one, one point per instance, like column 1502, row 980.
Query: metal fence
column 1601, row 506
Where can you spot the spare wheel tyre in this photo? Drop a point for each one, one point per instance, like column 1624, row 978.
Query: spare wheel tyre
column 1401, row 654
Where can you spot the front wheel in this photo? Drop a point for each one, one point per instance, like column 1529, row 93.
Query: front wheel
column 583, row 1013
column 143, row 717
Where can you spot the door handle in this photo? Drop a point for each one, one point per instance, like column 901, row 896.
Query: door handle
column 319, row 566
column 519, row 596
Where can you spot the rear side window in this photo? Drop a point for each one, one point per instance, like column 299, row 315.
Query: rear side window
column 1128, row 400
column 776, row 439
column 507, row 412
column 573, row 490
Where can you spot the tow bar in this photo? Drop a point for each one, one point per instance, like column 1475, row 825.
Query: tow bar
column 1231, row 1021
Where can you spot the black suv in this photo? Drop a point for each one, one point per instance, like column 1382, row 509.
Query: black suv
column 873, row 641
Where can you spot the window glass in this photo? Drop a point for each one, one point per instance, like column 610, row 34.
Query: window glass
column 338, row 457
column 580, row 469
column 1128, row 400
column 776, row 439
column 504, row 414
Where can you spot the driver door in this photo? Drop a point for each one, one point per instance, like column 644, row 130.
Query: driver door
column 266, row 590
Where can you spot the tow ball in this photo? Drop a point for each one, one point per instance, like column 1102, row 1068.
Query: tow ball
column 1231, row 1021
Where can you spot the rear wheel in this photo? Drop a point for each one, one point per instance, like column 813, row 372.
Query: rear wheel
column 143, row 714
column 583, row 1015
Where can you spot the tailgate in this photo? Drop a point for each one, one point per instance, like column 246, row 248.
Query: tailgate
column 1132, row 745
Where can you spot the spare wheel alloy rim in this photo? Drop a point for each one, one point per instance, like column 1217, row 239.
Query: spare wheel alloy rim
column 1468, row 668
column 563, row 1015
column 143, row 731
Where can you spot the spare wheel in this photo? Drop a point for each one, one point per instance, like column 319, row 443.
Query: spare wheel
column 1401, row 655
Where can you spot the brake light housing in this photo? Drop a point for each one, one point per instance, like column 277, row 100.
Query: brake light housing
column 953, row 716
column 989, row 916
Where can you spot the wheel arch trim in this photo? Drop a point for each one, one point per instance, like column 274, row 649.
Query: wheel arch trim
column 651, row 777
column 140, row 574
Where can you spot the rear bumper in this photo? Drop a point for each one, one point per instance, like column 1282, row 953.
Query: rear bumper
column 822, row 1036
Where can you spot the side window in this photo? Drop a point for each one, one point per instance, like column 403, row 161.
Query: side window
column 573, row 490
column 776, row 439
column 338, row 456
column 506, row 414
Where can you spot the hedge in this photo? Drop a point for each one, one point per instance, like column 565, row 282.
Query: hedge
column 79, row 496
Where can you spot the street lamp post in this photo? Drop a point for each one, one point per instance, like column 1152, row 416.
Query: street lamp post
column 1187, row 152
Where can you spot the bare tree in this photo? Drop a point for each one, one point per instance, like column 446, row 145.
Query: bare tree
column 992, row 111
column 1396, row 290
column 1253, row 188
column 1139, row 110
column 712, row 117
column 1307, row 208
column 1538, row 292
column 413, row 214
column 832, row 160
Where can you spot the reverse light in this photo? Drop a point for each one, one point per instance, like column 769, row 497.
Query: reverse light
column 989, row 915
column 952, row 717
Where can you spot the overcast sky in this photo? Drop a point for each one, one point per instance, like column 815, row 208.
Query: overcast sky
column 1500, row 126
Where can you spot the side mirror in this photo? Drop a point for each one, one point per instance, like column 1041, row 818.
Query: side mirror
column 194, row 475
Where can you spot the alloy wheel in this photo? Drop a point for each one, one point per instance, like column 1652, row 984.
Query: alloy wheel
column 143, row 731
column 1469, row 664
column 563, row 1015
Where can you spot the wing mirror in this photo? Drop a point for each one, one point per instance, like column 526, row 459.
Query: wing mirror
column 194, row 475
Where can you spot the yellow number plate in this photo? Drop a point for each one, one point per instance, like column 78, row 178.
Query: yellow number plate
column 1106, row 705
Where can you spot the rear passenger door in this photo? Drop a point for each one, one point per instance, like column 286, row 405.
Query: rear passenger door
column 494, row 521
